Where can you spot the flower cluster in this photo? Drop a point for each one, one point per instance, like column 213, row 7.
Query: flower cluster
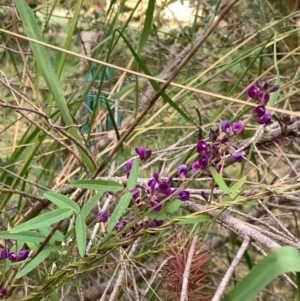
column 260, row 92
column 12, row 256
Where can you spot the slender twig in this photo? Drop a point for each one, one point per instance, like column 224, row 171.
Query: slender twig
column 221, row 288
column 186, row 274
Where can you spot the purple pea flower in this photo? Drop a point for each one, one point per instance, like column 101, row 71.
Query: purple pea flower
column 184, row 195
column 23, row 254
column 202, row 146
column 4, row 253
column 238, row 156
column 3, row 292
column 12, row 256
column 259, row 111
column 214, row 134
column 196, row 166
column 128, row 167
column 143, row 153
column 102, row 216
column 156, row 205
column 182, row 171
column 265, row 119
column 252, row 92
column 203, row 161
column 238, row 127
column 121, row 224
column 225, row 126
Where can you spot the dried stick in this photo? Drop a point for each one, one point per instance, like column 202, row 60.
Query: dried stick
column 186, row 274
column 221, row 288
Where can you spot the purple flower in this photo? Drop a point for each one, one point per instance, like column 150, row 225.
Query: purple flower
column 201, row 146
column 274, row 88
column 128, row 167
column 182, row 171
column 3, row 292
column 238, row 156
column 121, row 224
column 4, row 253
column 163, row 187
column 23, row 254
column 265, row 119
column 102, row 216
column 225, row 126
column 252, row 92
column 259, row 111
column 156, row 176
column 196, row 166
column 184, row 195
column 156, row 205
column 151, row 184
column 158, row 223
column 203, row 161
column 238, row 127
column 12, row 256
column 143, row 153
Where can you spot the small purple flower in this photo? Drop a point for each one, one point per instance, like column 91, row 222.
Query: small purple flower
column 102, row 216
column 238, row 127
column 3, row 292
column 202, row 146
column 252, row 92
column 23, row 254
column 238, row 156
column 158, row 223
column 259, row 111
column 163, row 187
column 156, row 205
column 12, row 256
column 182, row 171
column 4, row 253
column 225, row 126
column 151, row 184
column 265, row 119
column 156, row 176
column 121, row 224
column 203, row 161
column 184, row 195
column 274, row 88
column 143, row 153
column 128, row 167
column 135, row 193
column 196, row 166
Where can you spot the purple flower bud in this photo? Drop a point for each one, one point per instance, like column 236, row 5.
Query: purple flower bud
column 252, row 92
column 156, row 176
column 121, row 224
column 203, row 161
column 23, row 254
column 102, row 216
column 128, row 167
column 143, row 153
column 238, row 127
column 259, row 111
column 158, row 223
column 214, row 134
column 265, row 98
column 182, row 171
column 151, row 184
column 184, row 195
column 4, row 291
column 225, row 126
column 163, row 187
column 274, row 88
column 265, row 85
column 156, row 205
column 201, row 146
column 238, row 156
column 12, row 256
column 4, row 253
column 135, row 194
column 265, row 119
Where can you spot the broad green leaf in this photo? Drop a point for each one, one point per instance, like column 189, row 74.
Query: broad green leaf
column 98, row 185
column 192, row 219
column 42, row 58
column 280, row 261
column 46, row 219
column 80, row 229
column 174, row 206
column 90, row 204
column 27, row 236
column 218, row 179
column 134, row 173
column 119, row 210
column 61, row 201
column 34, row 262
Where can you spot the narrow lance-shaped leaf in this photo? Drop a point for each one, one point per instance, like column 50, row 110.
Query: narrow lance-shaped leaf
column 134, row 173
column 98, row 185
column 90, row 204
column 80, row 229
column 61, row 201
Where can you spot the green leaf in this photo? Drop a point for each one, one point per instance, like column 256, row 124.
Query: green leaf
column 88, row 207
column 61, row 201
column 236, row 187
column 46, row 219
column 98, row 185
column 174, row 206
column 192, row 219
column 34, row 262
column 157, row 215
column 119, row 210
column 57, row 236
column 27, row 236
column 42, row 58
column 218, row 179
column 134, row 173
column 80, row 229
column 280, row 261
